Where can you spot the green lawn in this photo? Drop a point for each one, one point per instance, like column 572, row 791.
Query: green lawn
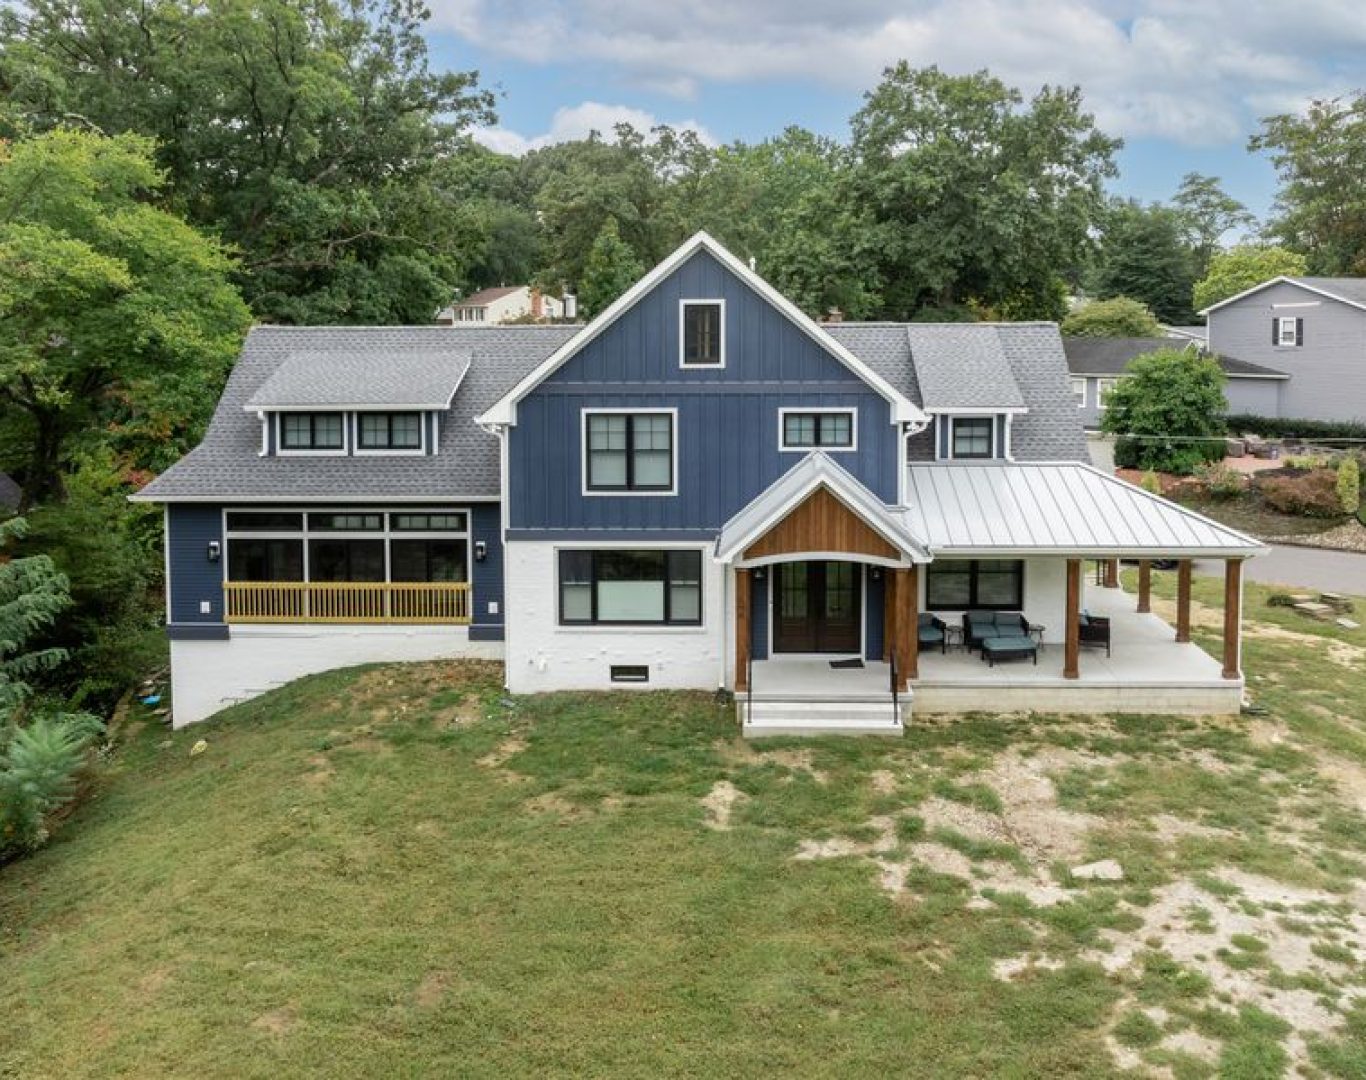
column 396, row 871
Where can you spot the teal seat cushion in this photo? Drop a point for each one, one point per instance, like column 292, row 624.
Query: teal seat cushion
column 1008, row 643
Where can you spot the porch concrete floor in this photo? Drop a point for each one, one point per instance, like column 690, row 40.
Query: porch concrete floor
column 1144, row 654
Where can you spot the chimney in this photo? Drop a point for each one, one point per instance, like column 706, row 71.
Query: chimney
column 834, row 315
column 571, row 306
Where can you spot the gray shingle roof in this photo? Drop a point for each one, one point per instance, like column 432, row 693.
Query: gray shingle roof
column 1349, row 288
column 963, row 366
column 228, row 464
column 1110, row 356
column 1049, row 431
column 417, row 377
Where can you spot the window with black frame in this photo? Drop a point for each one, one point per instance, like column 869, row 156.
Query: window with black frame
column 975, row 584
column 812, row 430
column 390, row 431
column 702, row 329
column 629, row 452
column 312, row 431
column 630, row 587
column 972, row 436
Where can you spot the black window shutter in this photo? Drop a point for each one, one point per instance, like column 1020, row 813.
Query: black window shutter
column 1275, row 330
column 1299, row 331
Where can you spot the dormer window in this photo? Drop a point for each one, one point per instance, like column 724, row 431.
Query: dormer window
column 972, row 437
column 390, row 431
column 702, row 342
column 312, row 432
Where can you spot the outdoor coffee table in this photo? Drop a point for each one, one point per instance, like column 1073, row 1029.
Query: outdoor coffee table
column 1010, row 647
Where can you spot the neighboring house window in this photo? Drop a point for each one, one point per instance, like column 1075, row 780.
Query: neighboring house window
column 629, row 451
column 967, row 584
column 703, row 333
column 348, row 546
column 1103, row 388
column 631, row 587
column 1079, row 392
column 312, row 431
column 826, row 430
column 1287, row 330
column 390, row 431
column 972, row 436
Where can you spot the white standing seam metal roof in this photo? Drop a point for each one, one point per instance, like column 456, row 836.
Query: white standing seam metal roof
column 421, row 378
column 1055, row 509
column 816, row 470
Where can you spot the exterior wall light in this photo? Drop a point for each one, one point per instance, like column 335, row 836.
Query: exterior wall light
column 215, row 550
column 481, row 551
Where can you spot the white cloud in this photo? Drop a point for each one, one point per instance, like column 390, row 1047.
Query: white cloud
column 1195, row 72
column 577, row 121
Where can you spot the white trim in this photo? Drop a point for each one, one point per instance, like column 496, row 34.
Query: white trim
column 1282, row 323
column 504, row 411
column 1284, row 280
column 822, row 556
column 345, row 451
column 683, row 305
column 978, row 410
column 783, row 413
column 1305, row 303
column 265, row 435
column 1104, row 384
column 1008, row 451
column 1085, row 381
column 953, row 423
column 627, row 410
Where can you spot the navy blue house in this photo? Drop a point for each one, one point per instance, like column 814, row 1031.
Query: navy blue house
column 700, row 489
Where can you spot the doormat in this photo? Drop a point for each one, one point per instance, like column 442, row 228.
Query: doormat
column 855, row 662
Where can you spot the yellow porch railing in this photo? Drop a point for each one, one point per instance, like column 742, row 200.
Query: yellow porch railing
column 347, row 602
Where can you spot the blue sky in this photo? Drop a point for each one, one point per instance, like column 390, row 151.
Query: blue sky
column 1182, row 81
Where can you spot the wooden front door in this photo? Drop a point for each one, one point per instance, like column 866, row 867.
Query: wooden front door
column 817, row 607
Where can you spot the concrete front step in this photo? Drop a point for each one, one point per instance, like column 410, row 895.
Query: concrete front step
column 803, row 716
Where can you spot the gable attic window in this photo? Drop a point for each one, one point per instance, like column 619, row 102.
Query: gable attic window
column 312, row 431
column 1287, row 330
column 390, row 431
column 703, row 338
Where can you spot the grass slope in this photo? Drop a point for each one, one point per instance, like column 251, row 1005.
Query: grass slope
column 397, row 871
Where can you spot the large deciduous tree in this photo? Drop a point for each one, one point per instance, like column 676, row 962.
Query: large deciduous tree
column 110, row 309
column 610, row 269
column 971, row 194
column 1320, row 156
column 305, row 131
column 1242, row 267
column 1207, row 213
column 1117, row 317
column 1144, row 256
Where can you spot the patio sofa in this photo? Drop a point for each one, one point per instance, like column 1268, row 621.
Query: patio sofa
column 979, row 625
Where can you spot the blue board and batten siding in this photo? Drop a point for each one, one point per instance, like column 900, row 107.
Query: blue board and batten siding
column 194, row 579
column 727, row 436
column 486, row 589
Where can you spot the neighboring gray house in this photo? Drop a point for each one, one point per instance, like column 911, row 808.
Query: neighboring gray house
column 1096, row 364
column 1311, row 328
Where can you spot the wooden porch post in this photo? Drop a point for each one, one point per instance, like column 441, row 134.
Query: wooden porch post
column 1145, row 585
column 1072, row 617
column 1233, row 615
column 742, row 629
column 1183, row 601
column 913, row 621
column 888, row 613
column 1112, row 573
column 903, row 631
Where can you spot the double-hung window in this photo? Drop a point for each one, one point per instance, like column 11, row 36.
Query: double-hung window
column 627, row 452
column 312, row 431
column 967, row 584
column 1079, row 392
column 629, row 587
column 827, row 430
column 1287, row 330
column 390, row 431
column 972, row 436
column 1103, row 388
column 703, row 343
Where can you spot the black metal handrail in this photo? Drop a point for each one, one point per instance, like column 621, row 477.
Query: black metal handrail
column 896, row 696
column 749, row 687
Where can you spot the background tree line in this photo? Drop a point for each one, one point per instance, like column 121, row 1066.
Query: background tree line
column 171, row 170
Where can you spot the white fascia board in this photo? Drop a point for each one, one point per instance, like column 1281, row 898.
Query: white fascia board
column 504, row 411
column 981, row 410
column 1283, row 280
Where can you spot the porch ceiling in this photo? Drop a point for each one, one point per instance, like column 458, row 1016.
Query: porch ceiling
column 1057, row 508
